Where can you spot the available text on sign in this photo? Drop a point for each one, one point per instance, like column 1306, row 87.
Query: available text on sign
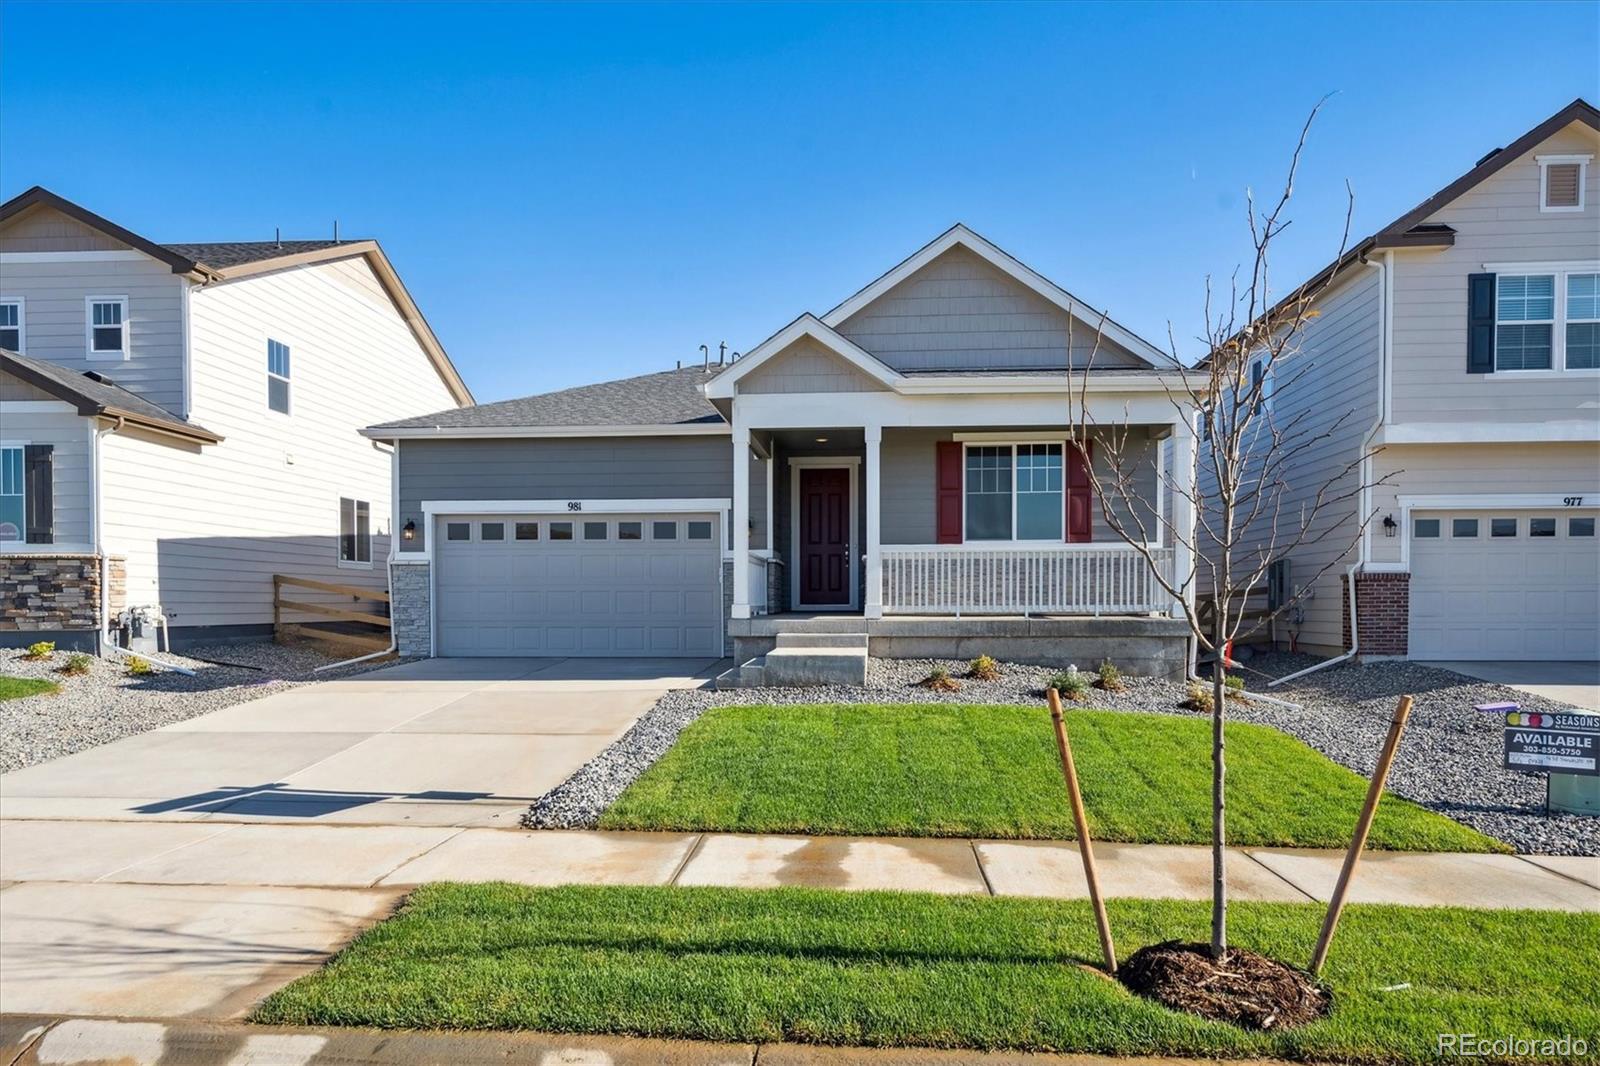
column 1563, row 743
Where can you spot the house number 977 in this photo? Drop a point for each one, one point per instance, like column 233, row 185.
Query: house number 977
column 1572, row 501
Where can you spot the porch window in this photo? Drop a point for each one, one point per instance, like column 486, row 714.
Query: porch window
column 13, row 494
column 1013, row 492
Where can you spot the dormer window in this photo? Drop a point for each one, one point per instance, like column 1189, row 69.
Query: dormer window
column 1561, row 181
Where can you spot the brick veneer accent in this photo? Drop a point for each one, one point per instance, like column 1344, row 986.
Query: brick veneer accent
column 1383, row 613
column 49, row 592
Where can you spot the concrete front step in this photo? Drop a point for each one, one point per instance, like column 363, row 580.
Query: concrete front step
column 823, row 640
column 815, row 666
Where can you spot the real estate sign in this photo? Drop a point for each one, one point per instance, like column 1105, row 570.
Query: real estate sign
column 1559, row 743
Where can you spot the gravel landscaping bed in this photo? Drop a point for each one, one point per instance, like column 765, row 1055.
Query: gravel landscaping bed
column 109, row 703
column 1449, row 760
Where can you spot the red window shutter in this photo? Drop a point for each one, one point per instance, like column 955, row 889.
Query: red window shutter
column 1079, row 495
column 947, row 491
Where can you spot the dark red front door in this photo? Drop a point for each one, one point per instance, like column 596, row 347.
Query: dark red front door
column 824, row 537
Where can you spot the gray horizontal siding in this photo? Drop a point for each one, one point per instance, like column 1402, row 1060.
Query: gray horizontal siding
column 960, row 313
column 592, row 468
column 68, row 433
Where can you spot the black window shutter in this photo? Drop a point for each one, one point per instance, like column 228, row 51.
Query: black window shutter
column 1480, row 323
column 39, row 480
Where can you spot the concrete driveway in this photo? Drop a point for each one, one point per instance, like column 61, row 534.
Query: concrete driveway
column 438, row 742
column 127, row 889
column 1574, row 683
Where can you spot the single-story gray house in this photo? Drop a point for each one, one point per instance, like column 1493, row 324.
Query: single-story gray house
column 896, row 470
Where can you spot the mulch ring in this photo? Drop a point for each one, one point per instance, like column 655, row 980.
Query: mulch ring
column 1243, row 987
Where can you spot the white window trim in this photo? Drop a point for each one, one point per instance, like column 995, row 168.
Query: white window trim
column 288, row 379
column 22, row 320
column 1558, row 325
column 22, row 541
column 88, row 330
column 353, row 564
column 1013, row 444
column 1545, row 163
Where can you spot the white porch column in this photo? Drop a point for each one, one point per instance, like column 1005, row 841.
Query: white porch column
column 772, row 537
column 872, row 471
column 741, row 522
column 1183, row 481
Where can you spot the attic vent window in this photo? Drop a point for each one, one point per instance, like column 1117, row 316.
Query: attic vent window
column 1561, row 182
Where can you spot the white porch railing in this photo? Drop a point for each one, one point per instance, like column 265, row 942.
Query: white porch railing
column 1035, row 579
column 758, row 583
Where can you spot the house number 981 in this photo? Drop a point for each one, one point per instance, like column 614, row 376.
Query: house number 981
column 574, row 505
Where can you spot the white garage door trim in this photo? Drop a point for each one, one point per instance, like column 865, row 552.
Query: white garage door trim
column 1461, row 501
column 1509, row 596
column 433, row 510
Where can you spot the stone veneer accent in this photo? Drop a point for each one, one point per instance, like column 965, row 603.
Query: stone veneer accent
column 409, row 613
column 1383, row 613
column 50, row 592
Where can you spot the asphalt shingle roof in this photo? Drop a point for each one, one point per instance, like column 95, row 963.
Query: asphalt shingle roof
column 225, row 254
column 93, row 392
column 669, row 398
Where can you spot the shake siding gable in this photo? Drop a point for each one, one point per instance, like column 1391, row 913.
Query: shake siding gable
column 1497, row 222
column 205, row 530
column 807, row 367
column 961, row 313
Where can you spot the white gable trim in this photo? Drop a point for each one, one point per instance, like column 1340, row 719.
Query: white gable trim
column 721, row 387
column 1006, row 264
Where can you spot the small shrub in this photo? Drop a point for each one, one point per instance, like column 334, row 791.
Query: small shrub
column 1111, row 678
column 137, row 666
column 1234, row 684
column 1070, row 683
column 984, row 668
column 1197, row 697
column 77, row 663
column 939, row 680
column 41, row 650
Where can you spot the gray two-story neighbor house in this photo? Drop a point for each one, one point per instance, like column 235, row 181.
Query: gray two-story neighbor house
column 1464, row 338
column 180, row 422
column 895, row 471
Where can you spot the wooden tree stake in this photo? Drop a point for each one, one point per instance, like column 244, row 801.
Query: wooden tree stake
column 1397, row 725
column 1082, row 822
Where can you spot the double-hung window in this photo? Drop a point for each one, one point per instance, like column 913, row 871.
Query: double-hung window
column 1014, row 492
column 355, row 532
column 1547, row 321
column 13, row 494
column 13, row 329
column 278, row 376
column 106, row 326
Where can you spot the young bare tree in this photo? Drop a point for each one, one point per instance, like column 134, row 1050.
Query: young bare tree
column 1247, row 514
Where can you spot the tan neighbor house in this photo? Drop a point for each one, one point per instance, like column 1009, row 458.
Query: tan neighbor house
column 1464, row 338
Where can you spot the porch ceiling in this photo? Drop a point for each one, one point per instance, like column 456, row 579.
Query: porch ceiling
column 837, row 439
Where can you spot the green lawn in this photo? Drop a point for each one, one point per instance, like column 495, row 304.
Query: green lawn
column 878, row 968
column 946, row 770
column 15, row 688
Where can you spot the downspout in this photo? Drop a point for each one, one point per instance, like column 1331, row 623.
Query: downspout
column 1364, row 555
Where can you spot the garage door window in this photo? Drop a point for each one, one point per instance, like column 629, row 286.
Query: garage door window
column 663, row 531
column 492, row 531
column 560, row 530
column 630, row 530
column 458, row 531
column 595, row 531
column 1425, row 528
column 699, row 530
column 527, row 531
column 1463, row 527
column 1580, row 527
column 1502, row 527
column 1541, row 527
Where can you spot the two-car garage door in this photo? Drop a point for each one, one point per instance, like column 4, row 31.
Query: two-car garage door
column 578, row 585
column 1505, row 585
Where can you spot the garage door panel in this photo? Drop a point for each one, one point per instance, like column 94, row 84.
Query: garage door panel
column 1509, row 597
column 577, row 597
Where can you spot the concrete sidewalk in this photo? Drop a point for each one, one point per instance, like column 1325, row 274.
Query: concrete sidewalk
column 25, row 1041
column 129, row 919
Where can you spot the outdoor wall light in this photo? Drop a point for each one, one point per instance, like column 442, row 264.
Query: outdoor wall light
column 409, row 530
column 1389, row 525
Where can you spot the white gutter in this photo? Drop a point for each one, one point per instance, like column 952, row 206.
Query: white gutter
column 693, row 429
column 1385, row 346
column 97, row 529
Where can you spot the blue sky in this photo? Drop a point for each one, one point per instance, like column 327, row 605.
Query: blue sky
column 579, row 193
